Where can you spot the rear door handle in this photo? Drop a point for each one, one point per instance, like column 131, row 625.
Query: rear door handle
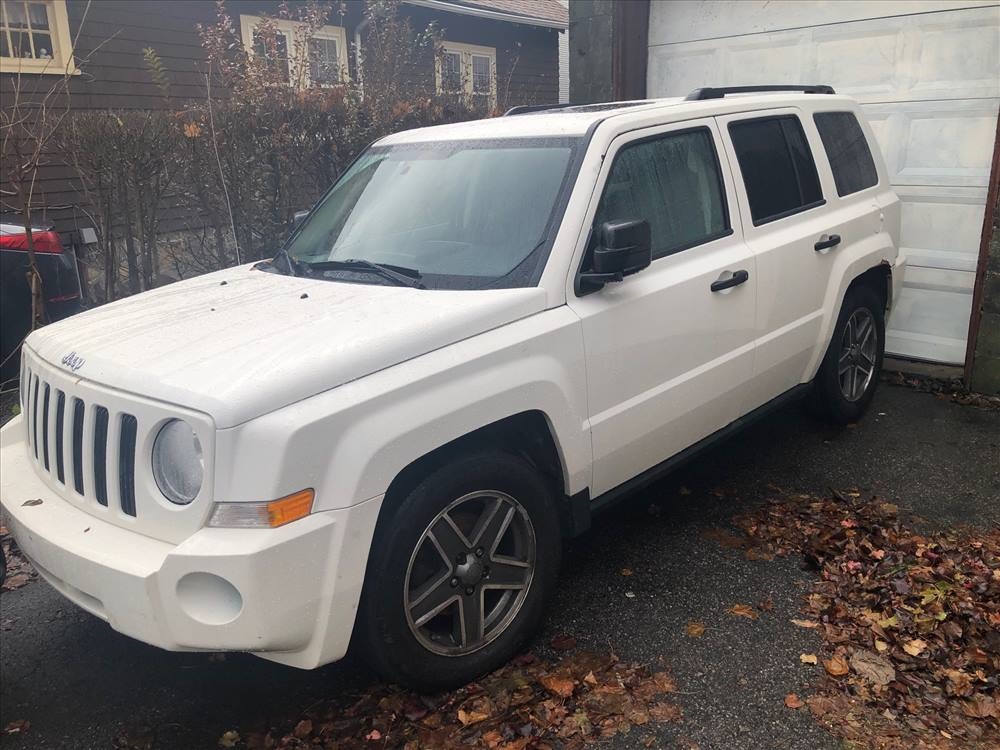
column 824, row 244
column 727, row 282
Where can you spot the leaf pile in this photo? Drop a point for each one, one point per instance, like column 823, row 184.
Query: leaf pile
column 948, row 390
column 530, row 704
column 19, row 570
column 910, row 622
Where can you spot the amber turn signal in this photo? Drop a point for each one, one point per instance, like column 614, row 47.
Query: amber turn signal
column 263, row 515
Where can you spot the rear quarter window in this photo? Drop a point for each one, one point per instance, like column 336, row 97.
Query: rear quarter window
column 847, row 149
column 777, row 167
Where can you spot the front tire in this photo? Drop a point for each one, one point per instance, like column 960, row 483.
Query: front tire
column 849, row 374
column 459, row 573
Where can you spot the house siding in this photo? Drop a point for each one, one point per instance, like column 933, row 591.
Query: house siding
column 112, row 39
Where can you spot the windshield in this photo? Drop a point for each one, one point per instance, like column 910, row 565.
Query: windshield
column 455, row 214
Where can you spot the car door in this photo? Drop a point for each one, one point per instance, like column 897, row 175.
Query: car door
column 667, row 357
column 790, row 230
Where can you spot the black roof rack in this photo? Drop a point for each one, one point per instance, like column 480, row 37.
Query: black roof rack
column 528, row 108
column 719, row 93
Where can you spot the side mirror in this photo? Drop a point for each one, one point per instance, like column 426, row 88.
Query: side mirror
column 623, row 248
column 297, row 218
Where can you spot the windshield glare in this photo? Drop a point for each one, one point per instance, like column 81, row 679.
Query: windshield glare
column 464, row 214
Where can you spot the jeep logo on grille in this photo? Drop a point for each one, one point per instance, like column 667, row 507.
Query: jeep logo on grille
column 73, row 362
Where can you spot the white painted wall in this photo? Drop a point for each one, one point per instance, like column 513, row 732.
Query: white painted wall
column 928, row 75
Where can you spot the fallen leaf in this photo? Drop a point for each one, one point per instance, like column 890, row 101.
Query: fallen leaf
column 695, row 629
column 873, row 668
column 664, row 712
column 563, row 642
column 837, row 665
column 558, row 685
column 915, row 647
column 793, row 701
column 229, row 739
column 373, row 736
column 805, row 623
column 808, row 658
column 626, row 571
column 743, row 610
column 303, row 729
column 590, row 679
column 18, row 726
column 472, row 717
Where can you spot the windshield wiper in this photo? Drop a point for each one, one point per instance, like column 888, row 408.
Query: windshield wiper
column 399, row 275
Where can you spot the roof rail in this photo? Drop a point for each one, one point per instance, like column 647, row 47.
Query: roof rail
column 525, row 109
column 719, row 93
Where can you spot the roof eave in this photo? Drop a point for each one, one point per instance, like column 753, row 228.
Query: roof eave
column 495, row 15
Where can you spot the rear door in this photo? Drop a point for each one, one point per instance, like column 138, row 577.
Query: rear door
column 788, row 227
column 667, row 357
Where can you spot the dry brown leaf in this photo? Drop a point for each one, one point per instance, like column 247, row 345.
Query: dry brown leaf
column 471, row 717
column 558, row 685
column 915, row 647
column 793, row 701
column 806, row 623
column 303, row 729
column 695, row 629
column 563, row 642
column 808, row 658
column 873, row 668
column 663, row 711
column 627, row 571
column 837, row 665
column 743, row 610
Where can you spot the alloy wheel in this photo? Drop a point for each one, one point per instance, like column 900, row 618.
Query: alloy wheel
column 469, row 573
column 858, row 352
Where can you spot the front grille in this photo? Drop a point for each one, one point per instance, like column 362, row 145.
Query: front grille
column 112, row 442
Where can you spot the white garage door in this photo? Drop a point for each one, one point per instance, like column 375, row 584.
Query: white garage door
column 928, row 74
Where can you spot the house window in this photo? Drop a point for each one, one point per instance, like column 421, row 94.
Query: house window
column 34, row 37
column 319, row 59
column 467, row 70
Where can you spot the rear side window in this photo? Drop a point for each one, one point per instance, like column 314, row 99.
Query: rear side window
column 847, row 149
column 673, row 182
column 778, row 169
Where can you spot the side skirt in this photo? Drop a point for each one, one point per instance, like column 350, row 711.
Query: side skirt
column 581, row 507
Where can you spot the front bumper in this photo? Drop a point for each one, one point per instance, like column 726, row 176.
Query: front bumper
column 288, row 594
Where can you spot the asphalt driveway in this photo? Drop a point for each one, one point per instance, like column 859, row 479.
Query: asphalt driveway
column 81, row 685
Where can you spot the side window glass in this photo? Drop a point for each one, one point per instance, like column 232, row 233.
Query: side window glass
column 847, row 149
column 674, row 183
column 778, row 169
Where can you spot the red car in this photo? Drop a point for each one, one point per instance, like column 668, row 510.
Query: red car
column 60, row 286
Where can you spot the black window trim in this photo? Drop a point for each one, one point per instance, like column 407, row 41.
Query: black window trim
column 727, row 231
column 878, row 177
column 792, row 211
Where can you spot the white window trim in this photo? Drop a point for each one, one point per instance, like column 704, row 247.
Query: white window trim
column 297, row 64
column 467, row 51
column 62, row 61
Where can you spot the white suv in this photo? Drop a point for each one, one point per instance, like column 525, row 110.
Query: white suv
column 482, row 334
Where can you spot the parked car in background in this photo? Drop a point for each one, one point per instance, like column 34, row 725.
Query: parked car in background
column 481, row 335
column 60, row 286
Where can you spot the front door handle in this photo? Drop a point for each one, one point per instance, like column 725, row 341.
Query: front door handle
column 826, row 243
column 727, row 282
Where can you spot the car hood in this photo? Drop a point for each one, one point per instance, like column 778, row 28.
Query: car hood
column 238, row 343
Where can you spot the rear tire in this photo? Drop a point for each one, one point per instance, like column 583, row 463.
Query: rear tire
column 849, row 374
column 488, row 583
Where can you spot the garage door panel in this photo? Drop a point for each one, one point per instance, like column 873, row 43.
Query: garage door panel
column 957, row 57
column 926, row 75
column 946, row 143
column 941, row 228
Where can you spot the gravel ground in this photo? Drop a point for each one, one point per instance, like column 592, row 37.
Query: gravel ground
column 81, row 685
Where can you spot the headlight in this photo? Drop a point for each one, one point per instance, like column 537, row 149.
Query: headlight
column 178, row 466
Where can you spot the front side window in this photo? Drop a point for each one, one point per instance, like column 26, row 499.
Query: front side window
column 777, row 166
column 847, row 149
column 673, row 182
column 455, row 214
column 34, row 37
